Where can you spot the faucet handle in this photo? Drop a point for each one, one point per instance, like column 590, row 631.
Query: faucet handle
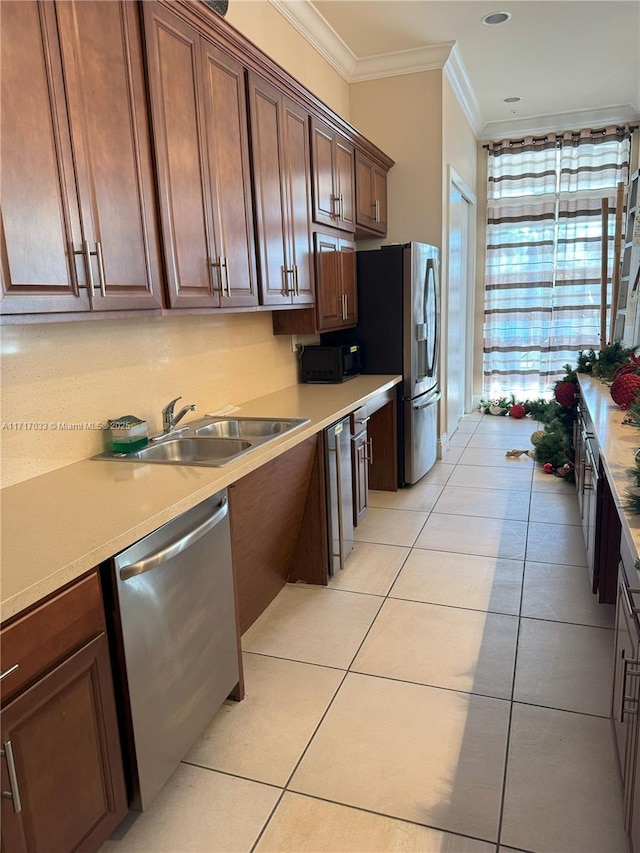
column 168, row 409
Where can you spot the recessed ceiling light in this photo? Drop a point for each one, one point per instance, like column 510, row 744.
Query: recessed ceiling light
column 512, row 100
column 496, row 18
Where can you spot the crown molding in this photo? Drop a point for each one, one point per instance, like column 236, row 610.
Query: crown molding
column 431, row 58
column 461, row 84
column 573, row 120
column 314, row 27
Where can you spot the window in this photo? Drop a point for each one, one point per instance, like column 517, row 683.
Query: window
column 544, row 226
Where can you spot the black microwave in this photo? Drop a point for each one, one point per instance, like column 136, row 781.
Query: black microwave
column 329, row 364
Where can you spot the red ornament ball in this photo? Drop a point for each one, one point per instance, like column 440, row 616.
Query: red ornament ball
column 624, row 389
column 517, row 411
column 566, row 393
column 547, row 468
column 629, row 367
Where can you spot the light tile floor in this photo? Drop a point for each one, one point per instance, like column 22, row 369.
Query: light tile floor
column 448, row 693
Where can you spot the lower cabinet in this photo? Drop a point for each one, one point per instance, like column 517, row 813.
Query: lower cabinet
column 62, row 779
column 626, row 701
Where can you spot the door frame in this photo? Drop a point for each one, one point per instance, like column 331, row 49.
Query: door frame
column 456, row 180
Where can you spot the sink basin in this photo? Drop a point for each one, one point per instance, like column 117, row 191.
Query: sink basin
column 211, row 442
column 187, row 450
column 250, row 428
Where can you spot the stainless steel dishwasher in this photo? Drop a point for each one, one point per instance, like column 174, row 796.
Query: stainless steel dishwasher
column 174, row 591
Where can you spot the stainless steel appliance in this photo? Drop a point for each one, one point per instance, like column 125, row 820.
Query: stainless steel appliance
column 339, row 482
column 399, row 332
column 174, row 592
column 329, row 364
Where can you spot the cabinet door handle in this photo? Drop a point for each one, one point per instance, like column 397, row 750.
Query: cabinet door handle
column 9, row 671
column 87, row 261
column 224, row 273
column 14, row 794
column 624, row 699
column 296, row 285
column 101, row 276
column 285, row 285
column 335, row 200
column 369, row 455
column 345, row 312
column 377, row 210
column 341, row 206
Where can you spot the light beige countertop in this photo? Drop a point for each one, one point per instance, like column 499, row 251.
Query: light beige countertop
column 57, row 526
column 617, row 444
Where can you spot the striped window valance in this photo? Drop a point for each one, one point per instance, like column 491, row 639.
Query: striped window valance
column 544, row 215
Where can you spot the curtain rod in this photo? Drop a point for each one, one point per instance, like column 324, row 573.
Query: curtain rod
column 534, row 139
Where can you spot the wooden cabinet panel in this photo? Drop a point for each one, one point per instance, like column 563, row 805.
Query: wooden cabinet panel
column 89, row 202
column 297, row 175
column 104, row 75
column 333, row 178
column 44, row 636
column 280, row 153
column 325, row 198
column 267, row 510
column 371, row 196
column 336, row 290
column 228, row 149
column 329, row 296
column 270, row 205
column 345, row 185
column 172, row 56
column 64, row 741
column 40, row 211
column 202, row 151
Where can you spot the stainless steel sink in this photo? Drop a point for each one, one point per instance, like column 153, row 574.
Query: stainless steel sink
column 250, row 428
column 188, row 450
column 210, row 441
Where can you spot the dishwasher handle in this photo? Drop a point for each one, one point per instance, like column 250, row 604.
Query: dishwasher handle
column 174, row 548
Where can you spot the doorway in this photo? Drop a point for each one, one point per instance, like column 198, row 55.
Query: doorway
column 458, row 349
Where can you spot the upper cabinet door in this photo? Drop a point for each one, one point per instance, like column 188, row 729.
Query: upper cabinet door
column 333, row 178
column 281, row 174
column 371, row 196
column 325, row 196
column 265, row 106
column 40, row 217
column 104, row 76
column 297, row 175
column 345, row 183
column 195, row 278
column 228, row 159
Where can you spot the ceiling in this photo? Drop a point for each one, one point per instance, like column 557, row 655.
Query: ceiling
column 573, row 62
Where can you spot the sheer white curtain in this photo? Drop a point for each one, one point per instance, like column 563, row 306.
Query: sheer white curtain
column 542, row 299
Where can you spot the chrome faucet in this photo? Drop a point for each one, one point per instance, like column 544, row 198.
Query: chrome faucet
column 169, row 420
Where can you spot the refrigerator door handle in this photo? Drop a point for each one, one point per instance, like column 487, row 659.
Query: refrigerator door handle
column 430, row 358
column 433, row 398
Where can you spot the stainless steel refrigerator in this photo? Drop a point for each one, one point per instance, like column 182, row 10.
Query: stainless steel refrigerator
column 399, row 332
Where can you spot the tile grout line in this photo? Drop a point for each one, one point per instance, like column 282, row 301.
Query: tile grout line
column 511, row 702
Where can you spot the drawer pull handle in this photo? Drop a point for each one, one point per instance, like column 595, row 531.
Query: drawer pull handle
column 14, row 794
column 9, row 671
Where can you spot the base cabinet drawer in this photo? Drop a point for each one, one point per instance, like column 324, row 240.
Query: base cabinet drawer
column 62, row 777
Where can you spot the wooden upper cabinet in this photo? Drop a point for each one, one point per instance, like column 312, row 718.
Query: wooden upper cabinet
column 202, row 158
column 78, row 201
column 40, row 210
column 371, row 196
column 281, row 171
column 104, row 75
column 333, row 178
column 336, row 291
